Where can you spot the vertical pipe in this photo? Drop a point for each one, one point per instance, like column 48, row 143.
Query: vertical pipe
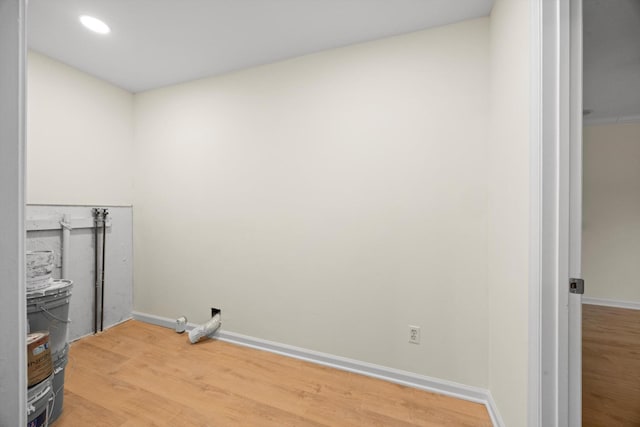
column 104, row 243
column 66, row 237
column 95, row 289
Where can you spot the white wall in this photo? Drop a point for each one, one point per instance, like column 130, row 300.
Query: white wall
column 508, row 214
column 327, row 201
column 80, row 152
column 80, row 134
column 611, row 211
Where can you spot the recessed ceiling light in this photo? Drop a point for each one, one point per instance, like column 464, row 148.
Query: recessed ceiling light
column 94, row 24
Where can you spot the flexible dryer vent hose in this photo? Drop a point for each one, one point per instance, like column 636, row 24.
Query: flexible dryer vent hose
column 206, row 329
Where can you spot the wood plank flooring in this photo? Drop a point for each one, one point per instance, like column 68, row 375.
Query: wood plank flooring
column 610, row 366
column 137, row 374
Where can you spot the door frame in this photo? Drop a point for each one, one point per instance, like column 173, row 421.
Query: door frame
column 575, row 212
column 13, row 307
column 556, row 120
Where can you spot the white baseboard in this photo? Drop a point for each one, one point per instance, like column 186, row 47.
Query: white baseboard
column 611, row 120
column 632, row 305
column 90, row 334
column 492, row 408
column 410, row 379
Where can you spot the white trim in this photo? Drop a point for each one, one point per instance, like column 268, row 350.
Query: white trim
column 22, row 326
column 157, row 320
column 71, row 205
column 575, row 213
column 13, row 317
column 548, row 136
column 631, row 305
column 534, row 395
column 553, row 135
column 629, row 119
column 410, row 379
column 494, row 413
column 611, row 120
column 90, row 334
column 55, row 223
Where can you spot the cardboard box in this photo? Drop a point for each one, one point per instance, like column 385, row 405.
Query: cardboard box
column 39, row 362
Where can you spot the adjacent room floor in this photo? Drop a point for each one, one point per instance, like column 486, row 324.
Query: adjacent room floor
column 610, row 366
column 137, row 374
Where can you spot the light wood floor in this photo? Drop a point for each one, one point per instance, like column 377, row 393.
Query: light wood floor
column 610, row 366
column 137, row 374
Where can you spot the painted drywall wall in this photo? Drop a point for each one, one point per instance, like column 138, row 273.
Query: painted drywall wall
column 13, row 363
column 118, row 295
column 611, row 211
column 327, row 202
column 508, row 213
column 80, row 134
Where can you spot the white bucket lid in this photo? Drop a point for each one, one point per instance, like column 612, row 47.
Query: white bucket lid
column 39, row 283
column 56, row 287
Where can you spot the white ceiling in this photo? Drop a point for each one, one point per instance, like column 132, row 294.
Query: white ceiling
column 611, row 58
column 161, row 42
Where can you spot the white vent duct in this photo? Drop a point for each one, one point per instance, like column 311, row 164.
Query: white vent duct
column 206, row 329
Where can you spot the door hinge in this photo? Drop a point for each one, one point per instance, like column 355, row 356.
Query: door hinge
column 576, row 286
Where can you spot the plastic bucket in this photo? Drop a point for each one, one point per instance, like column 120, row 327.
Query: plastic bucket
column 48, row 309
column 40, row 265
column 59, row 365
column 39, row 402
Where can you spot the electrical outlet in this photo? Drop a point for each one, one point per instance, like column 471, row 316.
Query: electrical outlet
column 414, row 334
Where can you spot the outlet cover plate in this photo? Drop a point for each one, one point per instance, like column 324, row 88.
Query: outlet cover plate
column 414, row 334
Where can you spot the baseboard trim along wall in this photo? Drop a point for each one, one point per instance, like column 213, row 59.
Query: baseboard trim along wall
column 611, row 120
column 105, row 329
column 632, row 305
column 435, row 385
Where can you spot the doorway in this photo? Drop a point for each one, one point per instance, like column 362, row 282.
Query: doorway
column 611, row 213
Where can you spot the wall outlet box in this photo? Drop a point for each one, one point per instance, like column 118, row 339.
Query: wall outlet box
column 414, row 334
